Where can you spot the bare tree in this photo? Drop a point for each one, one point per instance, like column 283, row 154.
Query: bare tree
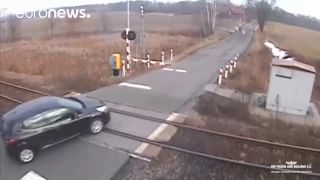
column 14, row 26
column 52, row 21
column 206, row 16
column 104, row 21
column 71, row 24
column 263, row 10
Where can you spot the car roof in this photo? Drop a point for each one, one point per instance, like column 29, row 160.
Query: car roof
column 32, row 108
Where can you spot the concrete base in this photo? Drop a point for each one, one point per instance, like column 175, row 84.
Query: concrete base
column 257, row 105
column 228, row 93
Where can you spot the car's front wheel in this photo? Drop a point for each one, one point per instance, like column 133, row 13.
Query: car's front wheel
column 26, row 155
column 96, row 126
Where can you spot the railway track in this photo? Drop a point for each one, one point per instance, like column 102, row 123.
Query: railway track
column 164, row 145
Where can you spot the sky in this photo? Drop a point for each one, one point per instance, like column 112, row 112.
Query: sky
column 305, row 7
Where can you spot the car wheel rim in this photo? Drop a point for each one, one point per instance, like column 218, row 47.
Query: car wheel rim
column 96, row 126
column 26, row 155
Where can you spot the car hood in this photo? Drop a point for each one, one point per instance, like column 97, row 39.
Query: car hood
column 90, row 102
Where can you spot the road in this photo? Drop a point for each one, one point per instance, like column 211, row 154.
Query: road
column 170, row 89
column 162, row 94
column 159, row 93
column 74, row 160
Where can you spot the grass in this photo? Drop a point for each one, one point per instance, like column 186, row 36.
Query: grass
column 301, row 42
column 253, row 70
column 225, row 115
column 115, row 22
column 80, row 63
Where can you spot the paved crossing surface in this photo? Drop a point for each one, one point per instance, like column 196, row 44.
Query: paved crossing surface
column 168, row 90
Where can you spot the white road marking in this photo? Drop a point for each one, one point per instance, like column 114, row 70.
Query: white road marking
column 136, row 86
column 141, row 148
column 181, row 70
column 31, row 175
column 155, row 133
column 176, row 70
column 172, row 117
column 167, row 69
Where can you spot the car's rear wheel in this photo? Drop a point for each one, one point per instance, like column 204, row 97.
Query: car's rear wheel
column 96, row 126
column 26, row 155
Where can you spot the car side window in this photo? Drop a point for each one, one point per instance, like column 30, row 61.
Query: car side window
column 46, row 118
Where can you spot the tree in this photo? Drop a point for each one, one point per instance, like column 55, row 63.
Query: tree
column 14, row 26
column 51, row 24
column 104, row 21
column 208, row 17
column 71, row 24
column 263, row 10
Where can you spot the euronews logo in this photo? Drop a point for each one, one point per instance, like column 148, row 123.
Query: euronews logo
column 55, row 13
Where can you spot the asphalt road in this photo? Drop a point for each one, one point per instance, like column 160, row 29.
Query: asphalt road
column 76, row 159
column 169, row 91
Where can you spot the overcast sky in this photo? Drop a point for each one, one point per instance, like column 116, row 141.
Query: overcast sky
column 305, row 7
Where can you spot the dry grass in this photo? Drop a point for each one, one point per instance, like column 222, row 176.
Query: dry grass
column 300, row 41
column 252, row 74
column 232, row 117
column 80, row 56
column 80, row 63
column 115, row 21
column 255, row 61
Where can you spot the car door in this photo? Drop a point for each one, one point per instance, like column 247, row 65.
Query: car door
column 74, row 123
column 44, row 130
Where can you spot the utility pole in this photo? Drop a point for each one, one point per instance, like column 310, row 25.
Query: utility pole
column 245, row 10
column 215, row 15
column 128, row 14
column 143, row 35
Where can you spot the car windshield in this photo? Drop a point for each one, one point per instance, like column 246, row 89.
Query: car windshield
column 70, row 103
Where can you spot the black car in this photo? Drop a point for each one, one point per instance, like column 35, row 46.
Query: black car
column 49, row 120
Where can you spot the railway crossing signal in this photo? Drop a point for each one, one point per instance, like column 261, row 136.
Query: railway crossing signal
column 131, row 35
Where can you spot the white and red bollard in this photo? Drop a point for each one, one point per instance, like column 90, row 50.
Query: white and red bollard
column 231, row 66
column 124, row 68
column 162, row 58
column 148, row 60
column 128, row 50
column 235, row 62
column 220, row 76
column 171, row 54
column 226, row 72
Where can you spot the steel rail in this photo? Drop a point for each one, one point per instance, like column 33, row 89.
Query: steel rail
column 186, row 150
column 159, row 120
column 24, row 88
column 203, row 154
